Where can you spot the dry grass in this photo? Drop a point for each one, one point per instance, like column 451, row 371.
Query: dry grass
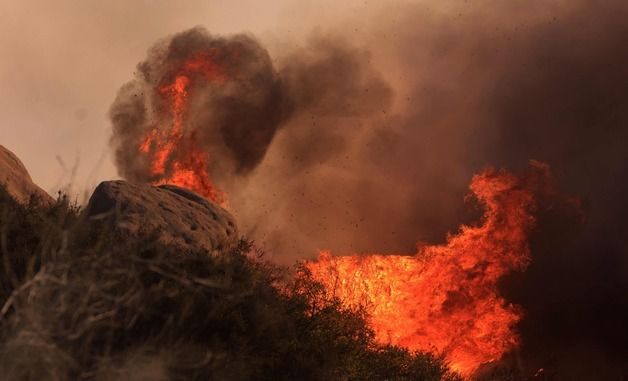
column 82, row 303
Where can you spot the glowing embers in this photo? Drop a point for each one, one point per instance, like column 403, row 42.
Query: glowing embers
column 444, row 298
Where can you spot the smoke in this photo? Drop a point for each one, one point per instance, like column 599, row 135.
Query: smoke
column 233, row 116
column 311, row 190
column 368, row 146
column 325, row 95
column 495, row 84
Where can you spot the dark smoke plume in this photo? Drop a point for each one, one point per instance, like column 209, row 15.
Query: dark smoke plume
column 234, row 119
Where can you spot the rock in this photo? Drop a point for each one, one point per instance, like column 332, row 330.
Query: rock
column 177, row 216
column 15, row 177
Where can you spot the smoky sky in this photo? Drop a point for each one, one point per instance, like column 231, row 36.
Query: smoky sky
column 369, row 134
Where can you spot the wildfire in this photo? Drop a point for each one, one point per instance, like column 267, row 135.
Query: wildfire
column 188, row 170
column 444, row 298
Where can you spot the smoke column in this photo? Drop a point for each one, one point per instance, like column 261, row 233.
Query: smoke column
column 226, row 100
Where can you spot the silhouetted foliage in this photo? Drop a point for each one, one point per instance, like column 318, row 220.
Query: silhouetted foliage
column 80, row 302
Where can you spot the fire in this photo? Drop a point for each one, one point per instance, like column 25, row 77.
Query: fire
column 444, row 298
column 189, row 169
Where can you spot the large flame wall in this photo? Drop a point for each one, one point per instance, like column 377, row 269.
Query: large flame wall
column 445, row 297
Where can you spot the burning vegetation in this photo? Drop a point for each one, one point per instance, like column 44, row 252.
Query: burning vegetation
column 445, row 297
column 311, row 153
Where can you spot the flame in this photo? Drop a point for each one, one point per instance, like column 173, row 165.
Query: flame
column 444, row 298
column 189, row 170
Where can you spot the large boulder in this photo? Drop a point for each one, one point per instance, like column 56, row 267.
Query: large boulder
column 175, row 216
column 15, row 177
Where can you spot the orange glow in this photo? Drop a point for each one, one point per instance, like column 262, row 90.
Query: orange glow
column 187, row 169
column 444, row 298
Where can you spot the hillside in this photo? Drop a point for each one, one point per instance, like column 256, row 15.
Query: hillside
column 81, row 301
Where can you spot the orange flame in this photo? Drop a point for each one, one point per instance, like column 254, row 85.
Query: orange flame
column 191, row 171
column 444, row 298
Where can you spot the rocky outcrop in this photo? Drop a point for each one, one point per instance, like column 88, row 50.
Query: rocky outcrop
column 175, row 216
column 15, row 177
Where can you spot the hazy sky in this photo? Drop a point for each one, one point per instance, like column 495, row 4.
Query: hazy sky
column 63, row 62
